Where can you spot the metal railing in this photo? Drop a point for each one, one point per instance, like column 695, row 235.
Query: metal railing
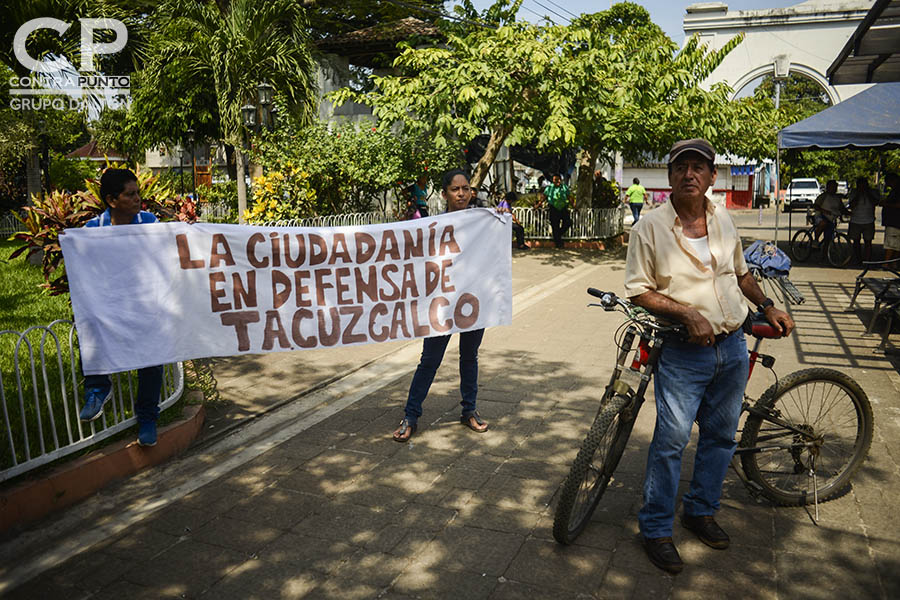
column 9, row 225
column 214, row 210
column 39, row 398
column 587, row 223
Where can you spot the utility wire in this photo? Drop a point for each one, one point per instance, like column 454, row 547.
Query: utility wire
column 539, row 14
column 545, row 7
column 562, row 8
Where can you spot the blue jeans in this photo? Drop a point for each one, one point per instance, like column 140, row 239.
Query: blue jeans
column 693, row 383
column 636, row 210
column 432, row 354
column 146, row 405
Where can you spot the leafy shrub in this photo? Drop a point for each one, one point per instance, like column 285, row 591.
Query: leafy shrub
column 69, row 174
column 605, row 194
column 282, row 195
column 354, row 167
column 223, row 194
column 60, row 210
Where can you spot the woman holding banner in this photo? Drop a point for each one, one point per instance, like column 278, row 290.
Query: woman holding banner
column 457, row 193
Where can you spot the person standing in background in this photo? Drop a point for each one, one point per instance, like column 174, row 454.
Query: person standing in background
column 636, row 194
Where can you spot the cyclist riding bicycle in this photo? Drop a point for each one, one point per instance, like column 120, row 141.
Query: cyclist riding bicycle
column 828, row 209
column 685, row 262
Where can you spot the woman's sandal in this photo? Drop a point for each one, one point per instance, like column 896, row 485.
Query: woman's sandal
column 474, row 422
column 405, row 431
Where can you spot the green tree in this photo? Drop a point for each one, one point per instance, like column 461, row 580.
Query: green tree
column 233, row 47
column 486, row 80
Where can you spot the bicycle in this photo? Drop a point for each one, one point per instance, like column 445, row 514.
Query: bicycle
column 837, row 249
column 814, row 423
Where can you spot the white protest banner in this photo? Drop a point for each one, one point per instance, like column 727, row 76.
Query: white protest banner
column 152, row 294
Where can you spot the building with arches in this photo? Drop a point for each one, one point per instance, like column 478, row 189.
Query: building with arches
column 801, row 39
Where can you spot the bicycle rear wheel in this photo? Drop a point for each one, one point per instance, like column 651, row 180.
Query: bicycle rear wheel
column 839, row 251
column 592, row 470
column 801, row 245
column 836, row 417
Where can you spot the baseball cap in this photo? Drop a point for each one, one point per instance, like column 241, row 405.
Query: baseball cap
column 698, row 145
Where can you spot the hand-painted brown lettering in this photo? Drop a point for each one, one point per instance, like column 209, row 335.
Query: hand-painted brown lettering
column 448, row 242
column 432, row 276
column 418, row 330
column 446, row 286
column 320, row 276
column 398, row 321
column 378, row 309
column 436, row 305
column 318, row 249
column 349, row 337
column 365, row 246
column 329, row 338
column 301, row 290
column 394, row 294
column 462, row 320
column 216, row 255
column 339, row 250
column 303, row 342
column 294, row 261
column 276, row 248
column 252, row 241
column 413, row 248
column 244, row 295
column 363, row 287
column 216, row 279
column 274, row 330
column 280, row 296
column 240, row 320
column 341, row 286
column 408, row 287
column 184, row 253
column 389, row 246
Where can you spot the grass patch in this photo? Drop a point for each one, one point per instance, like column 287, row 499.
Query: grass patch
column 22, row 302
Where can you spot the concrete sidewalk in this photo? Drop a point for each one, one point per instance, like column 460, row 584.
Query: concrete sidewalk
column 314, row 500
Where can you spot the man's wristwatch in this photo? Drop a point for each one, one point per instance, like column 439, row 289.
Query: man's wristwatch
column 761, row 307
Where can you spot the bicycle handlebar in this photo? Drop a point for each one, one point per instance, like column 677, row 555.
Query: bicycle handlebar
column 609, row 301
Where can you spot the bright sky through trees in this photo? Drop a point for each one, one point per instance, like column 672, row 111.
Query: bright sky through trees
column 665, row 13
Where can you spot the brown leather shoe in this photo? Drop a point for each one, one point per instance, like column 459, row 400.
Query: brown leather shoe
column 474, row 422
column 663, row 554
column 707, row 530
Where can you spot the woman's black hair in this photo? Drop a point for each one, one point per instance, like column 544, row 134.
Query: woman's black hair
column 511, row 197
column 447, row 179
column 113, row 181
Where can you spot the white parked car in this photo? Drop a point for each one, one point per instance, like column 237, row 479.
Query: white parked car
column 801, row 193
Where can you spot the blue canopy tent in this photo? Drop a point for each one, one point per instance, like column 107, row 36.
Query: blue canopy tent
column 870, row 119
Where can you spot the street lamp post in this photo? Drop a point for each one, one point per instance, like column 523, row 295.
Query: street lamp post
column 254, row 118
column 190, row 134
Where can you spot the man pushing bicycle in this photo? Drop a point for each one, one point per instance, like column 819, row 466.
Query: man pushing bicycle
column 685, row 262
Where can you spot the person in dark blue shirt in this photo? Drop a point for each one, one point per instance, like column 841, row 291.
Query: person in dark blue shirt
column 119, row 190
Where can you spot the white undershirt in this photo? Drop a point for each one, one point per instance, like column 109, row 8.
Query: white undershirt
column 701, row 249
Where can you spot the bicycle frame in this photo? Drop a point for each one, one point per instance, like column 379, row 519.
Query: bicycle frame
column 643, row 363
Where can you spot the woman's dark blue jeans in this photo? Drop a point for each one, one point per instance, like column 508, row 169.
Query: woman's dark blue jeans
column 432, row 354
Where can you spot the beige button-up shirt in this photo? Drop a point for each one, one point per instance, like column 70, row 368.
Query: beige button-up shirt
column 660, row 259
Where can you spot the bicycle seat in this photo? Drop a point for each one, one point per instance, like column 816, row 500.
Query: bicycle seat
column 761, row 328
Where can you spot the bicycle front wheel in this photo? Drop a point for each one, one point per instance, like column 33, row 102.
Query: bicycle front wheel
column 592, row 470
column 839, row 251
column 801, row 246
column 835, row 418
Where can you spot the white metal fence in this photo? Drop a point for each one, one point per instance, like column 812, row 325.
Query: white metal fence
column 587, row 223
column 40, row 398
column 9, row 225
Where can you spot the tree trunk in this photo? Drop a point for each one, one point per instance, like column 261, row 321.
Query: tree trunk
column 587, row 160
column 241, row 184
column 498, row 136
column 229, row 162
column 33, row 175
